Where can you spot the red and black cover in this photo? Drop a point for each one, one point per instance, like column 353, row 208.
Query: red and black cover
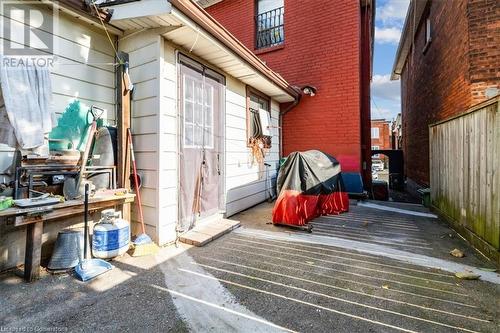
column 309, row 185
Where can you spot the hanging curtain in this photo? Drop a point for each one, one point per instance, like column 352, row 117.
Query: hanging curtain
column 255, row 124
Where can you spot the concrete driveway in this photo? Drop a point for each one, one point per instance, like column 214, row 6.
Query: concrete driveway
column 369, row 270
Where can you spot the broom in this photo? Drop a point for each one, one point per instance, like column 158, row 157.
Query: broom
column 143, row 245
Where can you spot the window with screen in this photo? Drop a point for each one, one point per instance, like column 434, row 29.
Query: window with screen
column 258, row 118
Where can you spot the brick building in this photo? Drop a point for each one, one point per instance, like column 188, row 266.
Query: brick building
column 448, row 60
column 397, row 133
column 324, row 44
column 381, row 136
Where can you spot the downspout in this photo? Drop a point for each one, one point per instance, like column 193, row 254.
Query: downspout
column 280, row 124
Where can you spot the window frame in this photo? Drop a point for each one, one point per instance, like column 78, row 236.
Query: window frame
column 249, row 92
column 378, row 133
column 256, row 30
column 427, row 32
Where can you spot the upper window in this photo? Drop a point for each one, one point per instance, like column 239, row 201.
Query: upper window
column 269, row 23
column 428, row 30
column 428, row 34
column 375, row 132
column 258, row 118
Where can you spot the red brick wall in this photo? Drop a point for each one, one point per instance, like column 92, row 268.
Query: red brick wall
column 237, row 16
column 484, row 46
column 322, row 48
column 434, row 85
column 450, row 77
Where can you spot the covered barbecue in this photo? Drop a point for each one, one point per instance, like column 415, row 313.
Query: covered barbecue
column 309, row 185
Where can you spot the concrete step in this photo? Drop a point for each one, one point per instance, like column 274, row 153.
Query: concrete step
column 205, row 233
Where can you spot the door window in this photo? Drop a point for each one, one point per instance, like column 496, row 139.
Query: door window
column 198, row 113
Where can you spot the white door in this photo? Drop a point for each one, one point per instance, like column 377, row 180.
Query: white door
column 201, row 143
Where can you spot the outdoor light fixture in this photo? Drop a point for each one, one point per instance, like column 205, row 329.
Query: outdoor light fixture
column 307, row 90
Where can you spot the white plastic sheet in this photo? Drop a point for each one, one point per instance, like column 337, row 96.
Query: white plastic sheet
column 27, row 112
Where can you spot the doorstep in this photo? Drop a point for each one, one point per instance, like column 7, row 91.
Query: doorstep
column 207, row 232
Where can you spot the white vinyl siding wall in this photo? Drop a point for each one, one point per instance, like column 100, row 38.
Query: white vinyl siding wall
column 168, row 195
column 155, row 123
column 84, row 70
column 84, row 66
column 144, row 50
column 245, row 181
column 154, row 126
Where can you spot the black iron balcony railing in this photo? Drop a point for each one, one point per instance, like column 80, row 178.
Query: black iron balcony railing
column 270, row 28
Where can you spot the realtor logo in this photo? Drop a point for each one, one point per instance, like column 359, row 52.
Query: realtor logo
column 28, row 28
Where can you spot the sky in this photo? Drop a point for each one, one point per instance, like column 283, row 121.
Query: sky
column 389, row 18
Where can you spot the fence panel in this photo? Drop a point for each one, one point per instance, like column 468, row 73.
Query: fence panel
column 465, row 170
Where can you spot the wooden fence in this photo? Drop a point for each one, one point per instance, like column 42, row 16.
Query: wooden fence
column 465, row 171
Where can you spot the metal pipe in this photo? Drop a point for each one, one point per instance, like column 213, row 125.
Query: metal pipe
column 287, row 109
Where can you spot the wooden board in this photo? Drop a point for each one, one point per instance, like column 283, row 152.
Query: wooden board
column 207, row 232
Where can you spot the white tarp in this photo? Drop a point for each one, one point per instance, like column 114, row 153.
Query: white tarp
column 27, row 112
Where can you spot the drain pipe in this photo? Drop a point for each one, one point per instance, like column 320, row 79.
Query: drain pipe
column 280, row 122
column 302, row 90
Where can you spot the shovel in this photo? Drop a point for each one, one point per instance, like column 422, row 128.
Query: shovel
column 72, row 188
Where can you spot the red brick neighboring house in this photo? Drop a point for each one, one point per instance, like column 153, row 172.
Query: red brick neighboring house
column 448, row 60
column 324, row 44
column 381, row 136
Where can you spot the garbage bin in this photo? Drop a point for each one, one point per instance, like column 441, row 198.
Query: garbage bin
column 380, row 190
column 426, row 196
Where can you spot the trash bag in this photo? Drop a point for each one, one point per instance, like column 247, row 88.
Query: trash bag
column 309, row 185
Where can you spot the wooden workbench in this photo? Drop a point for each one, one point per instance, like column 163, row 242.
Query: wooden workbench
column 33, row 219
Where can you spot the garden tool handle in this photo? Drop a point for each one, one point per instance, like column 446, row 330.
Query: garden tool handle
column 136, row 180
column 94, row 114
column 86, row 220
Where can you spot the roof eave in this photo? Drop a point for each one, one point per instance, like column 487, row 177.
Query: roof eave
column 80, row 10
column 412, row 20
column 194, row 12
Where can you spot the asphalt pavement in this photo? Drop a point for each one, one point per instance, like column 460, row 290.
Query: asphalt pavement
column 364, row 271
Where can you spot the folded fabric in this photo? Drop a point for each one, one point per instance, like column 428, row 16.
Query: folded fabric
column 27, row 94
